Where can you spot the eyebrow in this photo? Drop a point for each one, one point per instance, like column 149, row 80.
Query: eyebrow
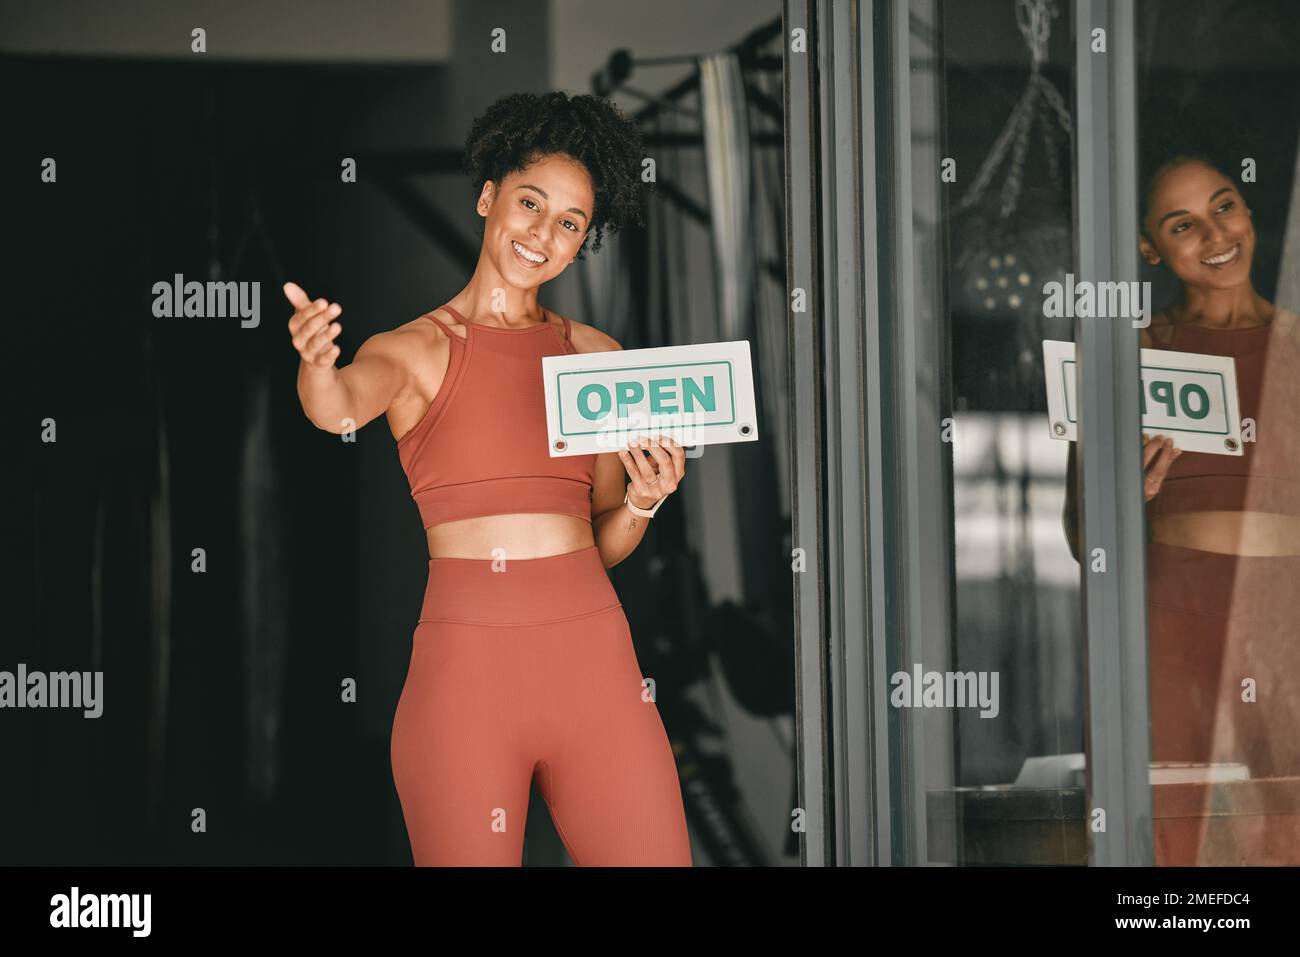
column 538, row 189
column 1183, row 212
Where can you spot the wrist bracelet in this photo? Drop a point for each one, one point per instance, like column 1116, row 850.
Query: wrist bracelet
column 637, row 509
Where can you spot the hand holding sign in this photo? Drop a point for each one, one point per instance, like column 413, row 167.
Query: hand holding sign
column 1158, row 454
column 653, row 479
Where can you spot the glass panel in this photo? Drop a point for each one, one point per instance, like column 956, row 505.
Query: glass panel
column 1221, row 248
column 990, row 701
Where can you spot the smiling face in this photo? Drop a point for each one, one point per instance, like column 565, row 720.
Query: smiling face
column 1199, row 226
column 536, row 220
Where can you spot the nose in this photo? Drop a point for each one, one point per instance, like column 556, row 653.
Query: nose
column 1217, row 235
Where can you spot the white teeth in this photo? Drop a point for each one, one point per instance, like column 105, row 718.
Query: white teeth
column 1219, row 260
column 527, row 254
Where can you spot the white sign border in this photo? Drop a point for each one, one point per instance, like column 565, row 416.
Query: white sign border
column 736, row 353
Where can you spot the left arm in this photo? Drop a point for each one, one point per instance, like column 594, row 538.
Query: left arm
column 617, row 530
column 653, row 474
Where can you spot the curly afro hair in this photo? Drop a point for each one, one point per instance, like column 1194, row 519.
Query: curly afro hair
column 1172, row 134
column 522, row 128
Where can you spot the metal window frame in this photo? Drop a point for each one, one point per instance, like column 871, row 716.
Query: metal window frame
column 911, row 487
column 1110, row 454
column 843, row 766
column 860, row 604
column 803, row 252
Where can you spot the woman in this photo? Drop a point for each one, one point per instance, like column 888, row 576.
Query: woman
column 522, row 662
column 1223, row 557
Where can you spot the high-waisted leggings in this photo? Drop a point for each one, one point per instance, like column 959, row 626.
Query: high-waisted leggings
column 1224, row 664
column 1213, row 622
column 523, row 668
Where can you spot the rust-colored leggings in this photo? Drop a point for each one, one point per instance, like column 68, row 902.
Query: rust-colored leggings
column 1213, row 621
column 522, row 667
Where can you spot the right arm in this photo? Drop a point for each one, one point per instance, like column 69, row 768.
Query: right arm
column 1070, row 515
column 1158, row 454
column 362, row 390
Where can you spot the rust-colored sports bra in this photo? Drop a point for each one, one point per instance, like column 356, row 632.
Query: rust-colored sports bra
column 481, row 448
column 1266, row 477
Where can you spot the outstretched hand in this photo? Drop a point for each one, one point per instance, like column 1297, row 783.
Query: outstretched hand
column 311, row 327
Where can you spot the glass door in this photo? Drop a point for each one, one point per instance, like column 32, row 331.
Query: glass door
column 970, row 301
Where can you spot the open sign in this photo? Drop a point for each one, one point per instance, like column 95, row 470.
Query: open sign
column 697, row 390
column 1188, row 396
column 697, row 395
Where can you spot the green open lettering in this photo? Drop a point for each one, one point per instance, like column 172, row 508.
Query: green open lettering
column 594, row 400
column 1162, row 391
column 658, row 399
column 629, row 394
column 1184, row 400
column 602, row 399
column 691, row 391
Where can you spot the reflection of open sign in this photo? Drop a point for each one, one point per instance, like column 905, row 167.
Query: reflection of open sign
column 698, row 395
column 1188, row 396
column 1180, row 402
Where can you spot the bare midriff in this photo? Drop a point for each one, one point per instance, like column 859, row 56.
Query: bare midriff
column 1230, row 533
column 529, row 535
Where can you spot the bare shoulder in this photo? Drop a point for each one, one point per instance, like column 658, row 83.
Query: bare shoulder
column 405, row 343
column 590, row 339
column 410, row 352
